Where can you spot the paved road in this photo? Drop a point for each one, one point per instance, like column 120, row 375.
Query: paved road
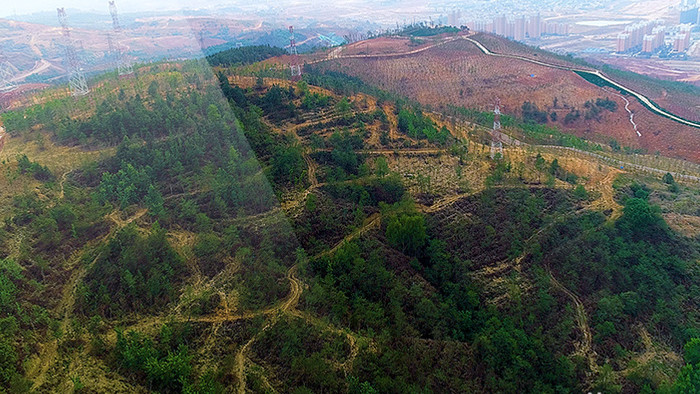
column 39, row 66
column 596, row 73
column 337, row 54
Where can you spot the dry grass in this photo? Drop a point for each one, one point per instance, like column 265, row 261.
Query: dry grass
column 59, row 159
column 687, row 225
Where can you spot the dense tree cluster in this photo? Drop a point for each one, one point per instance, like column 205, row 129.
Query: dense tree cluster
column 635, row 271
column 39, row 172
column 417, row 125
column 164, row 363
column 132, row 273
column 531, row 113
column 244, row 55
column 362, row 287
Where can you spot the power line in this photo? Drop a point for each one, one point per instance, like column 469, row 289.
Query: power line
column 124, row 67
column 77, row 81
column 7, row 81
column 294, row 64
column 496, row 144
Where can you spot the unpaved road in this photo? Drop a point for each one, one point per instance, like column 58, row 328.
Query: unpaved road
column 584, row 347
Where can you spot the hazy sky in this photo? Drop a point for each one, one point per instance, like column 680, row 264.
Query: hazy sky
column 12, row 7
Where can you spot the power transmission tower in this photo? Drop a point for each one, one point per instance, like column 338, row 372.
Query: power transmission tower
column 77, row 82
column 294, row 66
column 7, row 75
column 124, row 67
column 110, row 50
column 7, row 83
column 496, row 144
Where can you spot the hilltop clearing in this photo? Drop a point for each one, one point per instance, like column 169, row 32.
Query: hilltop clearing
column 457, row 73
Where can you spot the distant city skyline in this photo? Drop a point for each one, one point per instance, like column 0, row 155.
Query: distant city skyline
column 100, row 6
column 128, row 6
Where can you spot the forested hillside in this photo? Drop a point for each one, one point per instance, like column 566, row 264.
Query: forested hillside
column 197, row 231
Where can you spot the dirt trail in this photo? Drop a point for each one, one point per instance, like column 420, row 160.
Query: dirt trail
column 584, row 347
column 409, row 151
column 37, row 373
column 62, row 194
column 311, row 169
column 292, row 300
column 397, row 54
column 627, row 108
column 443, row 203
column 654, row 351
column 35, row 48
column 289, row 306
column 371, row 222
column 607, row 197
column 401, row 151
column 346, row 366
column 114, row 217
column 393, row 122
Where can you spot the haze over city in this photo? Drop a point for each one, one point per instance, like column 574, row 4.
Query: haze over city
column 354, row 196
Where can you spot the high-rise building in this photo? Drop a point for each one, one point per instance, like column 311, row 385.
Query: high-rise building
column 678, row 43
column 534, row 27
column 520, row 29
column 479, row 26
column 681, row 41
column 637, row 32
column 659, row 33
column 655, row 40
column 453, row 19
column 500, row 25
column 510, row 29
column 623, row 42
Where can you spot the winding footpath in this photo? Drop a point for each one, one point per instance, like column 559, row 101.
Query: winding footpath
column 584, row 348
column 627, row 108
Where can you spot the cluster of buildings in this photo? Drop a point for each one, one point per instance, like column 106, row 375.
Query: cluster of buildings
column 649, row 37
column 681, row 41
column 520, row 28
column 655, row 40
column 642, row 34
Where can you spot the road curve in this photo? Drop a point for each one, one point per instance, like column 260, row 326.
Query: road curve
column 647, row 102
column 336, row 54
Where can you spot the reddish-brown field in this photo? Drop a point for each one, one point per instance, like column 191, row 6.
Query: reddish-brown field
column 457, row 73
column 380, row 45
column 501, row 45
column 682, row 100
